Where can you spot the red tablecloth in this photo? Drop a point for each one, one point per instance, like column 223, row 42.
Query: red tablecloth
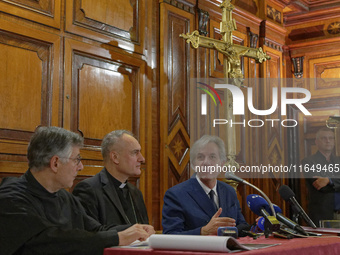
column 297, row 246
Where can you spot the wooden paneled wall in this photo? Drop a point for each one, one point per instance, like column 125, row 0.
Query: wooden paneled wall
column 204, row 63
column 93, row 66
column 87, row 66
column 321, row 60
column 176, row 68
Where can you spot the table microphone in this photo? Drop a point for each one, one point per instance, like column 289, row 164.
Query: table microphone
column 259, row 226
column 259, row 206
column 259, row 201
column 277, row 209
column 288, row 222
column 291, row 224
column 288, row 195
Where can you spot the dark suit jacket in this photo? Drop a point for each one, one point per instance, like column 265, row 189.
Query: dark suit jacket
column 321, row 202
column 100, row 200
column 187, row 208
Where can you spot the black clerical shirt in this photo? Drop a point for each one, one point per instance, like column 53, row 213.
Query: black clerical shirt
column 35, row 221
column 125, row 199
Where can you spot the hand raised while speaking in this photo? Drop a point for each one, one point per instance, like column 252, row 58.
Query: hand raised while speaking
column 216, row 222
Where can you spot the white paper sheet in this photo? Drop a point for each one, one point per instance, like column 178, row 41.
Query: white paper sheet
column 195, row 243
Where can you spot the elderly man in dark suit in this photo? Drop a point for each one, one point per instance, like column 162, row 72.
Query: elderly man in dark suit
column 201, row 204
column 107, row 196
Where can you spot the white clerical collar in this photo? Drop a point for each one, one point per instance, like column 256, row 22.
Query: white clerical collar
column 206, row 188
column 122, row 185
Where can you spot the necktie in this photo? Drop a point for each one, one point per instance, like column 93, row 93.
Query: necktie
column 212, row 195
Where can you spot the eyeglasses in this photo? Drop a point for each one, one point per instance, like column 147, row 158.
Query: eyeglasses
column 77, row 159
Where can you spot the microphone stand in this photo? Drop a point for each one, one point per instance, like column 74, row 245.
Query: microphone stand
column 238, row 179
column 295, row 217
column 264, row 195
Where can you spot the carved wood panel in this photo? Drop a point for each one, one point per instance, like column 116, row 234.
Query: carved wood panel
column 47, row 12
column 27, row 58
column 119, row 22
column 104, row 91
column 118, row 14
column 177, row 66
column 251, row 6
column 273, row 132
column 269, row 137
column 31, row 63
column 101, row 54
column 327, row 70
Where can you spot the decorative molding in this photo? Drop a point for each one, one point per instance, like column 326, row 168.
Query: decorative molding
column 81, row 19
column 203, row 18
column 307, row 33
column 334, row 28
column 298, row 66
column 273, row 33
column 301, row 11
column 46, row 12
column 45, row 7
column 253, row 38
column 271, row 44
column 82, row 66
column 179, row 146
column 274, row 14
column 38, row 54
column 248, row 5
column 180, row 5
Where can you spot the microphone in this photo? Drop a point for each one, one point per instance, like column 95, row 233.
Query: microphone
column 259, row 227
column 259, row 206
column 288, row 195
column 291, row 224
column 259, row 201
column 233, row 177
column 288, row 222
column 277, row 209
column 260, row 223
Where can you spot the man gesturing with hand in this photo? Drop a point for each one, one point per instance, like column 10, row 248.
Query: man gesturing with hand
column 216, row 222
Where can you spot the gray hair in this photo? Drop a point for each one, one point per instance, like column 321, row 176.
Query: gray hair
column 111, row 139
column 203, row 141
column 323, row 129
column 47, row 142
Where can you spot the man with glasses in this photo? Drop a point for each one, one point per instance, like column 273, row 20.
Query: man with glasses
column 107, row 196
column 322, row 172
column 38, row 216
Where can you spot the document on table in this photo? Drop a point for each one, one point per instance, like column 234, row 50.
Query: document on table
column 195, row 243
